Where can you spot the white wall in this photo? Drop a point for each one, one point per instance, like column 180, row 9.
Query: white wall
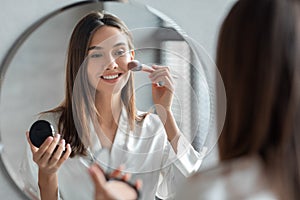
column 200, row 19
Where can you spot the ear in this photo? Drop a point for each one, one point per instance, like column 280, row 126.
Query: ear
column 132, row 53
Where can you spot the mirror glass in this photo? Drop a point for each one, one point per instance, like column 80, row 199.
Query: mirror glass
column 34, row 79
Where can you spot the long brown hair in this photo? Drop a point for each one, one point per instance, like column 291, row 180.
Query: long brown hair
column 258, row 58
column 74, row 123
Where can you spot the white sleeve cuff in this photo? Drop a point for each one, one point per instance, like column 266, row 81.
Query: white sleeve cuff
column 188, row 159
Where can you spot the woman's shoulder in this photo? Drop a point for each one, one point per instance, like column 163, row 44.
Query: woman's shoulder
column 230, row 180
column 51, row 117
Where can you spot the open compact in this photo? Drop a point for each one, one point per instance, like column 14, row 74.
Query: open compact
column 40, row 131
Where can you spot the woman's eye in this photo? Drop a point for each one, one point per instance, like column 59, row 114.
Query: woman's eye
column 120, row 52
column 96, row 55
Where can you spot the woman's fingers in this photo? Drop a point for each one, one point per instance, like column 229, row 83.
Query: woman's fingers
column 162, row 77
column 57, row 153
column 32, row 147
column 147, row 68
column 39, row 152
column 160, row 67
column 65, row 156
column 49, row 151
column 160, row 72
column 138, row 184
column 106, row 190
column 117, row 172
column 167, row 86
column 126, row 177
column 49, row 156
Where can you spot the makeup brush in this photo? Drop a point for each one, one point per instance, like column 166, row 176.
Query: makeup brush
column 135, row 66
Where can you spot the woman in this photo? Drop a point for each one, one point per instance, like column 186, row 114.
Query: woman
column 99, row 112
column 258, row 58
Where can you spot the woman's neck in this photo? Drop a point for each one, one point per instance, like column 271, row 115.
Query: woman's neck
column 109, row 108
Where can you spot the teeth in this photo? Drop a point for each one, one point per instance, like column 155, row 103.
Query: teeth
column 110, row 77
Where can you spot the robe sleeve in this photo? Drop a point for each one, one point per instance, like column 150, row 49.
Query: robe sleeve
column 178, row 166
column 29, row 169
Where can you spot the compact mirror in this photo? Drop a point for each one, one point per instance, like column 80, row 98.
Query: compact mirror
column 34, row 70
column 120, row 187
column 39, row 131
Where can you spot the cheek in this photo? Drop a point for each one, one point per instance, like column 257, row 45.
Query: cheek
column 96, row 66
column 123, row 62
column 92, row 75
column 126, row 76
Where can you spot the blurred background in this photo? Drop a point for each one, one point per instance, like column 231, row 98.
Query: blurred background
column 177, row 25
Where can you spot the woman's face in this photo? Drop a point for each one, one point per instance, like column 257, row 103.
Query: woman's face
column 108, row 57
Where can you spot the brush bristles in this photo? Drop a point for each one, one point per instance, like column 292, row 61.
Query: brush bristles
column 134, row 65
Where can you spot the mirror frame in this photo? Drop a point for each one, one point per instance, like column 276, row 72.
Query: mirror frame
column 4, row 163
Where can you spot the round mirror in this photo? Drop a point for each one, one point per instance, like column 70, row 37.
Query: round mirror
column 34, row 70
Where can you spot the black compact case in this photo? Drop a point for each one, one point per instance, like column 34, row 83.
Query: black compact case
column 40, row 131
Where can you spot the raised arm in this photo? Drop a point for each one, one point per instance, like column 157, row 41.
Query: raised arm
column 189, row 160
column 162, row 93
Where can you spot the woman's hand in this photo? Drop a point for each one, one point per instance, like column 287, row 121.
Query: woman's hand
column 114, row 189
column 46, row 157
column 162, row 88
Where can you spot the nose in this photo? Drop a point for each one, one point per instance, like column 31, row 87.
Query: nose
column 111, row 63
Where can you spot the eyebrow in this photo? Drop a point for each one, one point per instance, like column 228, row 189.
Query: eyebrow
column 99, row 47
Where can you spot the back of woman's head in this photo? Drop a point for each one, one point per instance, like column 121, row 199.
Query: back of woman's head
column 258, row 60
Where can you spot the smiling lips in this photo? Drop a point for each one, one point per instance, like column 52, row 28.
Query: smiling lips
column 111, row 77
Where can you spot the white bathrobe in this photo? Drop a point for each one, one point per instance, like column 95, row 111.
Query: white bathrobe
column 146, row 153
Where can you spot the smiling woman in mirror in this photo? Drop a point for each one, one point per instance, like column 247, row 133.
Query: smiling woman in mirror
column 99, row 112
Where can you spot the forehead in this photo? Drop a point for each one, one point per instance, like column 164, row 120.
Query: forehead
column 107, row 36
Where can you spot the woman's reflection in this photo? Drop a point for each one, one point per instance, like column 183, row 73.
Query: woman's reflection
column 99, row 111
